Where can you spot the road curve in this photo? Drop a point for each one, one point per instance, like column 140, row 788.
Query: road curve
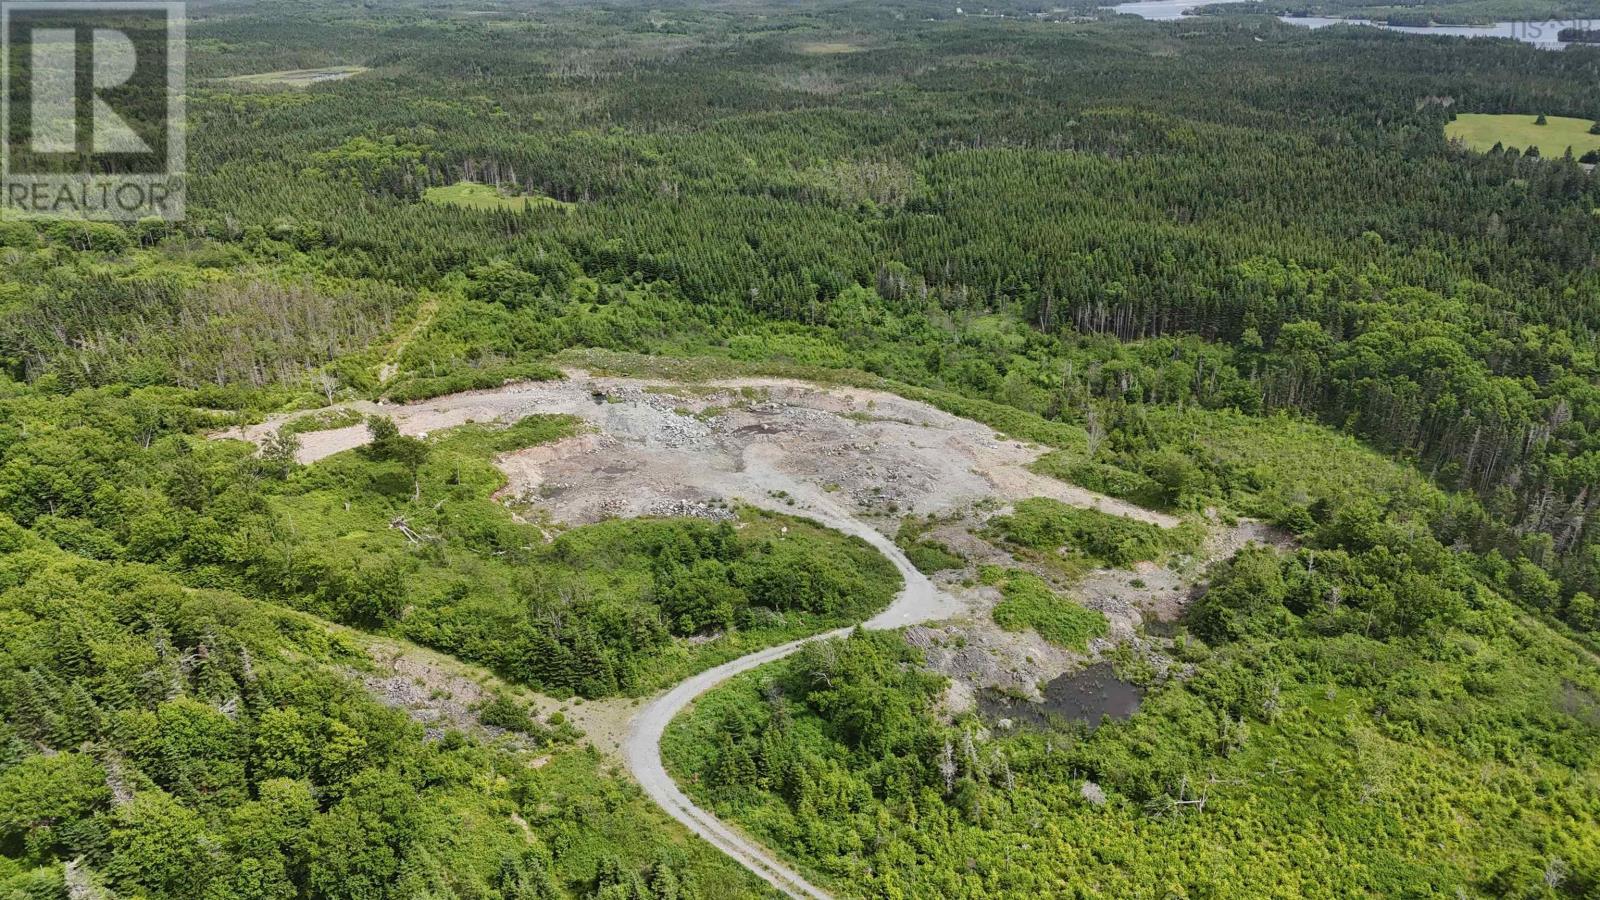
column 642, row 753
column 918, row 601
column 759, row 478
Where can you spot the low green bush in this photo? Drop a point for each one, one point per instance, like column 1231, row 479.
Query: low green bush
column 1050, row 526
column 417, row 388
column 1028, row 602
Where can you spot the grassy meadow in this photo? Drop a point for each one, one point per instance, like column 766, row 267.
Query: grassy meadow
column 471, row 195
column 1481, row 131
column 297, row 78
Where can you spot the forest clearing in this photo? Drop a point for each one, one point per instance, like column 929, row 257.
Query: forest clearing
column 1482, row 132
column 297, row 78
column 472, row 195
column 842, row 457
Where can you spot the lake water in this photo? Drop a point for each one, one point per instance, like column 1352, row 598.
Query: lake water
column 1084, row 696
column 1539, row 34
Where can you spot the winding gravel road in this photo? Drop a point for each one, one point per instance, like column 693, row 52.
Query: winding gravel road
column 931, row 458
column 918, row 601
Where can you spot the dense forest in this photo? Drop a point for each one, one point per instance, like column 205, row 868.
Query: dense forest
column 1225, row 264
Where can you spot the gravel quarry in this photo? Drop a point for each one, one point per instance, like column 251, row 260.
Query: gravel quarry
column 656, row 448
column 853, row 460
column 976, row 654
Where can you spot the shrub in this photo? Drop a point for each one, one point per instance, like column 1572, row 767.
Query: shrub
column 1028, row 602
column 412, row 389
column 1049, row 525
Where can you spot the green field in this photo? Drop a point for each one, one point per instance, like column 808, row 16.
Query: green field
column 1481, row 131
column 472, row 195
column 298, row 78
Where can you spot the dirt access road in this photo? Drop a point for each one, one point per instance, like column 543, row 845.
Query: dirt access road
column 919, row 601
column 837, row 455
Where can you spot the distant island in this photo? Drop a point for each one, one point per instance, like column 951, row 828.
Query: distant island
column 1579, row 35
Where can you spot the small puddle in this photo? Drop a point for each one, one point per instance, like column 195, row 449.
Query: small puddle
column 1085, row 696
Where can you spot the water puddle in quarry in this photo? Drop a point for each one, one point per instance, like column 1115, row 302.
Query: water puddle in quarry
column 1087, row 696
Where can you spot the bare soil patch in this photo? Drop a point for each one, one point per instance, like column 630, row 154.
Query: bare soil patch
column 655, row 446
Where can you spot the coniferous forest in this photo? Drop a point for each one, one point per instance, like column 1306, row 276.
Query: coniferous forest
column 1224, row 272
